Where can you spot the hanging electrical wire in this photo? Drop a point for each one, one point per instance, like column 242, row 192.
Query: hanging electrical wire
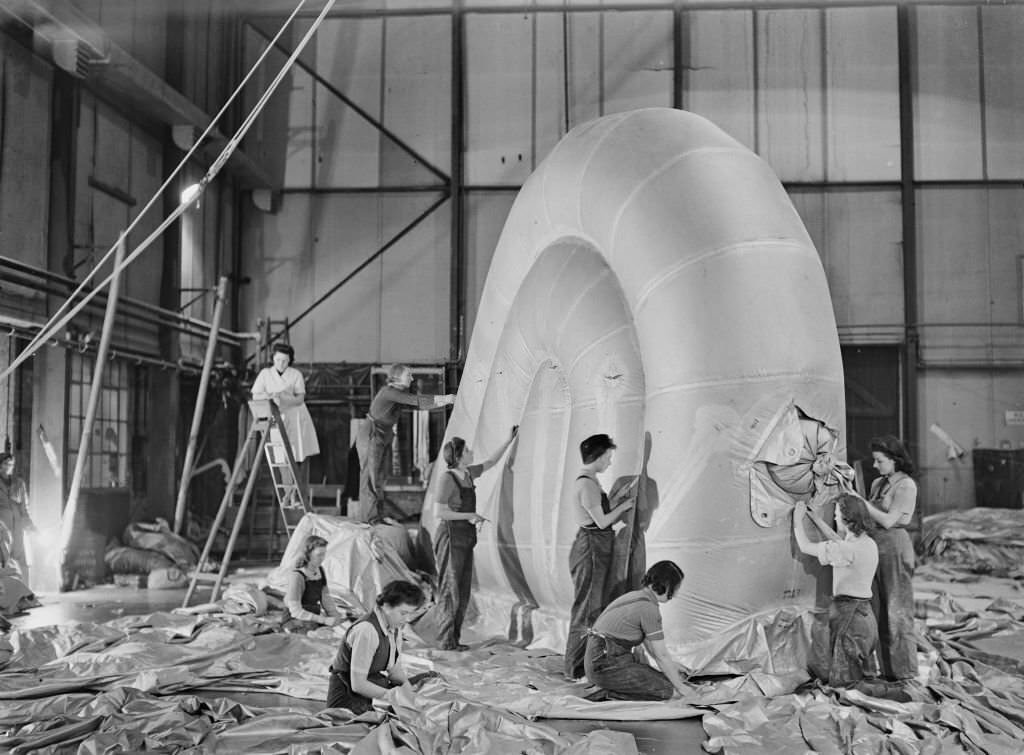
column 48, row 329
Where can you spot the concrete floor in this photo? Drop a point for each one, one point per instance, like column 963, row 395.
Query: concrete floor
column 106, row 602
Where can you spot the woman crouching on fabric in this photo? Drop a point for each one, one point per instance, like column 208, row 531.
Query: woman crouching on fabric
column 853, row 556
column 307, row 602
column 369, row 662
column 628, row 621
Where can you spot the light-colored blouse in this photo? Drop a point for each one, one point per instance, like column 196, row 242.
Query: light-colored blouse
column 290, row 385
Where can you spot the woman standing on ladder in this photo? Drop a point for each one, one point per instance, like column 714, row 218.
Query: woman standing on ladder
column 285, row 386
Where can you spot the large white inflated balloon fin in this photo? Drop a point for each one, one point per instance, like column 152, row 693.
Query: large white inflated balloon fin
column 652, row 281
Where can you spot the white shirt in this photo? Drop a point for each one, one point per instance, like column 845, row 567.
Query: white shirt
column 853, row 561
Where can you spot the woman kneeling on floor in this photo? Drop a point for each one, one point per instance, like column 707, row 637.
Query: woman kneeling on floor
column 307, row 602
column 368, row 662
column 853, row 556
column 627, row 622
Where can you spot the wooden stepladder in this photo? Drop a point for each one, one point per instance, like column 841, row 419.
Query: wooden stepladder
column 268, row 433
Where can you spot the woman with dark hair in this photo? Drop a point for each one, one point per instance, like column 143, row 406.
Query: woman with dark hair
column 307, row 602
column 891, row 505
column 285, row 386
column 630, row 620
column 591, row 555
column 368, row 662
column 853, row 556
column 456, row 535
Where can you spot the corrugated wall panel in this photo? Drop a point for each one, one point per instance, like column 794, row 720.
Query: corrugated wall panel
column 499, row 113
column 790, row 112
column 970, row 279
column 862, row 107
column 549, row 116
column 278, row 249
column 719, row 76
column 586, row 73
column 415, row 283
column 349, row 55
column 862, row 261
column 637, row 60
column 485, row 217
column 417, row 104
column 947, row 113
column 1003, row 35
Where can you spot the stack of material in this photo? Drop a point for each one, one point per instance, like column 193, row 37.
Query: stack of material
column 981, row 540
column 153, row 555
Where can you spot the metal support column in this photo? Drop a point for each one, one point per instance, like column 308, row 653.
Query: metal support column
column 67, row 523
column 197, row 414
column 908, row 197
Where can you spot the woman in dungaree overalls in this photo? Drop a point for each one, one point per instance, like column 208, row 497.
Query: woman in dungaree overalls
column 591, row 554
column 307, row 603
column 368, row 663
column 891, row 504
column 631, row 620
column 456, row 536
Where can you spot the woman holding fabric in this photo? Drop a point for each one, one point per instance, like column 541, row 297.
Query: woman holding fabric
column 285, row 386
column 853, row 556
column 456, row 535
column 368, row 663
column 891, row 504
column 631, row 620
column 307, row 602
column 591, row 553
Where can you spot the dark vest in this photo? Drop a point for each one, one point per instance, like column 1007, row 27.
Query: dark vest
column 606, row 505
column 343, row 660
column 312, row 592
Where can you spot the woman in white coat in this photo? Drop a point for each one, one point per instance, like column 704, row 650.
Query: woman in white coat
column 285, row 385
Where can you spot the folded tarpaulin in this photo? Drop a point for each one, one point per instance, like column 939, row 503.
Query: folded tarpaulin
column 981, row 539
column 360, row 559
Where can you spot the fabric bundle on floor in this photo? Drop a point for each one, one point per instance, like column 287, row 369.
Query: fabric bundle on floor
column 980, row 539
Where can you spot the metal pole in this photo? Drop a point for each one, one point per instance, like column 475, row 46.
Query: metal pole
column 239, row 516
column 229, row 492
column 70, row 511
column 197, row 415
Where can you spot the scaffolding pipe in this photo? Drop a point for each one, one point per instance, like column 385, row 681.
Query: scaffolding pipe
column 197, row 414
column 48, row 283
column 70, row 511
